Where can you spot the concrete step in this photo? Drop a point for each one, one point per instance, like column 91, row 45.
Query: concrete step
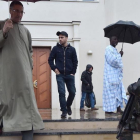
column 81, row 124
column 79, row 134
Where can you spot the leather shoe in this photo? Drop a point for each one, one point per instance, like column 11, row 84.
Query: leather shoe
column 69, row 110
column 110, row 113
column 94, row 108
column 82, row 109
column 64, row 115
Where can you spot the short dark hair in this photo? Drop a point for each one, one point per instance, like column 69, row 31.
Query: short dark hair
column 112, row 36
column 13, row 3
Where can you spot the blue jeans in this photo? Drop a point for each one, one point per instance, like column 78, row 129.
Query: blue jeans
column 92, row 99
column 69, row 80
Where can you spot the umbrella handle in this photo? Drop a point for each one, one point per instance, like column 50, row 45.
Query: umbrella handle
column 123, row 38
column 122, row 47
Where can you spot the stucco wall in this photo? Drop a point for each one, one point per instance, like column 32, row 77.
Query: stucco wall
column 94, row 17
column 92, row 20
column 126, row 10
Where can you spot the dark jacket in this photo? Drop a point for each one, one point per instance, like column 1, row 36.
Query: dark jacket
column 65, row 59
column 134, row 123
column 86, row 79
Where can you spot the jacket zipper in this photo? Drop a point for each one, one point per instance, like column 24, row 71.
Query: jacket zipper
column 64, row 60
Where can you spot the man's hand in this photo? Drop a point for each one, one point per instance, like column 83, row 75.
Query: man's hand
column 57, row 71
column 7, row 26
column 72, row 74
column 121, row 52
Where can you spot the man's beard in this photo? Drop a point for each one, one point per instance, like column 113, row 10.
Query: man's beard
column 63, row 43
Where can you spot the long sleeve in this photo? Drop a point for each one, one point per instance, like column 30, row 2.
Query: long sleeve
column 83, row 78
column 51, row 59
column 2, row 38
column 113, row 59
column 75, row 61
column 30, row 48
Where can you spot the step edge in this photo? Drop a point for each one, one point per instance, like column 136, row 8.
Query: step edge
column 62, row 133
column 65, row 133
column 81, row 120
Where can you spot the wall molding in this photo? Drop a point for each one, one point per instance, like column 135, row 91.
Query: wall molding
column 96, row 1
column 51, row 23
column 55, row 39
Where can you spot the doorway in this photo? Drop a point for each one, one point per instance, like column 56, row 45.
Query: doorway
column 42, row 77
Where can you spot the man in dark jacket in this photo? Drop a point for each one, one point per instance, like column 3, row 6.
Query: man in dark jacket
column 87, row 88
column 65, row 68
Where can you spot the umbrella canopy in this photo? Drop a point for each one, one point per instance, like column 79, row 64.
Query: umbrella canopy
column 126, row 31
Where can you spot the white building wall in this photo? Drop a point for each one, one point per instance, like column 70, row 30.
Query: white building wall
column 44, row 35
column 94, row 17
column 126, row 10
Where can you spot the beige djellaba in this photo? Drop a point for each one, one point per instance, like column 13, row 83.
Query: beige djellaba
column 16, row 87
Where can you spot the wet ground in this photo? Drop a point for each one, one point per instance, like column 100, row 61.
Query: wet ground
column 55, row 114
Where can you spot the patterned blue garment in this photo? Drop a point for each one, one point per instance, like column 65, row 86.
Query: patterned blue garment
column 113, row 89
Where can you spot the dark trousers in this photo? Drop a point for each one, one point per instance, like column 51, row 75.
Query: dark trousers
column 27, row 135
column 3, row 110
column 69, row 80
column 1, row 124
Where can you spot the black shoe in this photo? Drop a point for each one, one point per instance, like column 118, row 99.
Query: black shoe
column 69, row 110
column 110, row 113
column 64, row 115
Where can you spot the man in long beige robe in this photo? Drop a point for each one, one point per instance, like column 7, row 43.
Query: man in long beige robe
column 17, row 100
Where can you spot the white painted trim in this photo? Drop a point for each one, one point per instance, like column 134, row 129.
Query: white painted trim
column 38, row 46
column 76, row 39
column 76, row 23
column 54, row 39
column 51, row 23
column 96, row 1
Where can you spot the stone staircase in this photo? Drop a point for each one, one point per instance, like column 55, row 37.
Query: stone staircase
column 74, row 129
